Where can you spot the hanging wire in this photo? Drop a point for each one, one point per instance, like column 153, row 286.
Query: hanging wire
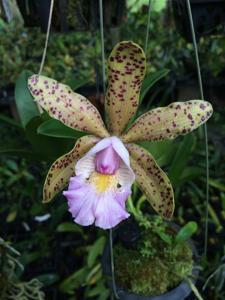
column 102, row 45
column 46, row 46
column 205, row 126
column 150, row 4
column 47, row 37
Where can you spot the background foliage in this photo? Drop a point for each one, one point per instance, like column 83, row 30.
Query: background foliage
column 65, row 257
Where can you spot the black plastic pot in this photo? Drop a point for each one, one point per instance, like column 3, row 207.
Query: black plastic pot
column 181, row 292
column 207, row 16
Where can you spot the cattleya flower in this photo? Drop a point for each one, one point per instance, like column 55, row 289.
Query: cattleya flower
column 103, row 165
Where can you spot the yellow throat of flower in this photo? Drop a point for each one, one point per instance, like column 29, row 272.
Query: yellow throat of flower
column 103, row 182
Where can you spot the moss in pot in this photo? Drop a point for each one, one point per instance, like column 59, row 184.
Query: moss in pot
column 156, row 264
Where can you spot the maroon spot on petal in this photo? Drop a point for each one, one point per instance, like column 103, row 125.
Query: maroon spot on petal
column 202, row 106
column 190, row 117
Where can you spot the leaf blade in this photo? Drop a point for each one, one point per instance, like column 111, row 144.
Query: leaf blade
column 56, row 128
column 26, row 106
column 150, row 80
column 186, row 232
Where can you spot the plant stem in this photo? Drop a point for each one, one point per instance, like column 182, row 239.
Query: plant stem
column 112, row 263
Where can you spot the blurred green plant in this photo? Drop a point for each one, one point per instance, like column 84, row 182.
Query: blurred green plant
column 89, row 276
column 10, row 285
column 20, row 180
column 75, row 54
column 166, row 48
column 216, row 280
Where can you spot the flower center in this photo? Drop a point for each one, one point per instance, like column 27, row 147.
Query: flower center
column 107, row 161
column 103, row 182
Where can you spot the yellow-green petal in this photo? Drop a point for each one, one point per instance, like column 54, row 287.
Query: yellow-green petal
column 168, row 122
column 153, row 182
column 126, row 70
column 63, row 104
column 63, row 168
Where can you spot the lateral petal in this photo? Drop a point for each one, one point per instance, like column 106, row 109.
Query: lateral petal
column 63, row 104
column 152, row 181
column 178, row 118
column 64, row 167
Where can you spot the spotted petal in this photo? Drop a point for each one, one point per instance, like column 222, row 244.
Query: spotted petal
column 64, row 167
column 126, row 70
column 168, row 122
column 152, row 181
column 66, row 106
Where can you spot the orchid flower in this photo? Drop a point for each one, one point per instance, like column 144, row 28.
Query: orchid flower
column 103, row 165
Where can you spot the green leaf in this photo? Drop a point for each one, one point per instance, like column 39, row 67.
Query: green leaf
column 104, row 295
column 18, row 152
column 10, row 121
column 193, row 288
column 75, row 84
column 55, row 128
column 150, row 80
column 165, row 237
column 162, row 151
column 95, row 251
column 74, row 281
column 216, row 184
column 46, row 147
column 215, row 218
column 69, row 227
column 48, row 279
column 11, row 216
column 186, row 232
column 26, row 106
column 94, row 275
column 12, row 165
column 190, row 173
column 97, row 290
column 181, row 158
column 29, row 257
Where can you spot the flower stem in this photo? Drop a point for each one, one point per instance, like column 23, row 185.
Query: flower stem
column 112, row 263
